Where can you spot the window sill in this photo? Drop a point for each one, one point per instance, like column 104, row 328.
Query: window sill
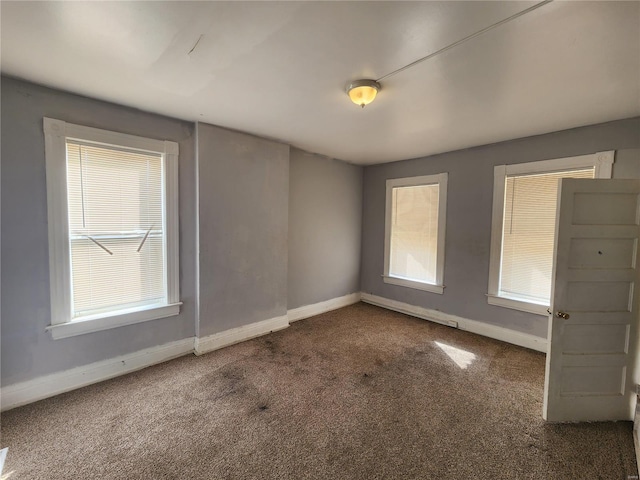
column 97, row 323
column 405, row 282
column 521, row 305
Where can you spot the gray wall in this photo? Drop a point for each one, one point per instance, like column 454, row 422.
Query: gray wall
column 28, row 351
column 325, row 215
column 243, row 231
column 627, row 163
column 469, row 205
column 243, row 191
column 277, row 229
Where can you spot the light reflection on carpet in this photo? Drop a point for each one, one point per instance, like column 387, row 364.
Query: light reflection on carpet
column 462, row 358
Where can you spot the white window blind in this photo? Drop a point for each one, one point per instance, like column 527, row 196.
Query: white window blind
column 116, row 228
column 528, row 233
column 414, row 233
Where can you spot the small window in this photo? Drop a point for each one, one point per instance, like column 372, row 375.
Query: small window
column 415, row 232
column 524, row 222
column 112, row 228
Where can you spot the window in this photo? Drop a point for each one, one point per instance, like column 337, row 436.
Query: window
column 415, row 231
column 524, row 222
column 113, row 228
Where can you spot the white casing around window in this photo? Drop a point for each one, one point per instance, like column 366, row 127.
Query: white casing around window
column 56, row 134
column 601, row 162
column 441, row 181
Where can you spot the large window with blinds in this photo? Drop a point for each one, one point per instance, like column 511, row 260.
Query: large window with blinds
column 525, row 203
column 113, row 228
column 116, row 227
column 415, row 232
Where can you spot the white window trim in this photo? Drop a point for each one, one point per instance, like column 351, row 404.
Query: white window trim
column 56, row 133
column 441, row 180
column 602, row 163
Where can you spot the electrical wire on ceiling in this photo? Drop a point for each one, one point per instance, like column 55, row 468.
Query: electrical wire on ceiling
column 465, row 39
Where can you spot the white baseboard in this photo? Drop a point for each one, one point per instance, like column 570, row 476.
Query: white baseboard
column 322, row 307
column 19, row 394
column 47, row 386
column 493, row 331
column 239, row 334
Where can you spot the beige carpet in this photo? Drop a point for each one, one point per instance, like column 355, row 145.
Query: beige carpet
column 358, row 393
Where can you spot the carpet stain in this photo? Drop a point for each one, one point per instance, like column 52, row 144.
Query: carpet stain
column 228, row 381
column 357, row 393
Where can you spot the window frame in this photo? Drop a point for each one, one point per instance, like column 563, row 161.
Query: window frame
column 56, row 133
column 602, row 162
column 441, row 179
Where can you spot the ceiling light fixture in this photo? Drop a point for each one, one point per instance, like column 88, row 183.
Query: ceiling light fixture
column 363, row 92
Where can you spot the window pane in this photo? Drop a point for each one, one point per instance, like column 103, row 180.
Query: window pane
column 116, row 228
column 126, row 278
column 414, row 233
column 112, row 190
column 528, row 234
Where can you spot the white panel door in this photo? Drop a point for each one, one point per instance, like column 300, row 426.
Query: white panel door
column 594, row 302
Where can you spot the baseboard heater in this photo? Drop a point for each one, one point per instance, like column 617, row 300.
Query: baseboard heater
column 448, row 323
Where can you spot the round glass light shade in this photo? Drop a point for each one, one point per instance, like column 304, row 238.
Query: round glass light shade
column 363, row 92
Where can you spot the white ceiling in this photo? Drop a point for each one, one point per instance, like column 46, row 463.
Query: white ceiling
column 278, row 69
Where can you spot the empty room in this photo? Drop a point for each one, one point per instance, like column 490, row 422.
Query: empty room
column 319, row 240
